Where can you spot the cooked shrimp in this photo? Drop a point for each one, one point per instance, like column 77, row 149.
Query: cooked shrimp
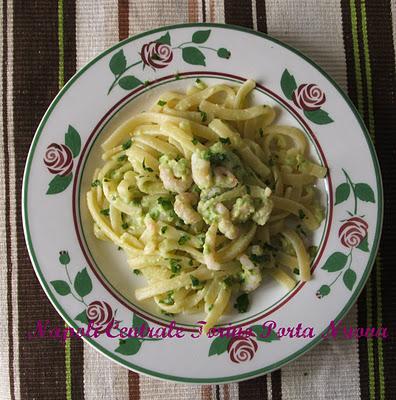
column 201, row 172
column 262, row 214
column 224, row 178
column 226, row 227
column 251, row 274
column 175, row 175
column 183, row 207
column 150, row 235
column 209, row 250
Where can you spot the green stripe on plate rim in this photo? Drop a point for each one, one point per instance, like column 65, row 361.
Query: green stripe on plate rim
column 128, row 364
column 101, row 131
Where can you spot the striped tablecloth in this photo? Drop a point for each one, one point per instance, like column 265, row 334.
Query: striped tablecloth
column 44, row 42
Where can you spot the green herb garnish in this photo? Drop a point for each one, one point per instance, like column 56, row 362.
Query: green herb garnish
column 125, row 225
column 210, row 307
column 204, row 116
column 301, row 214
column 148, row 169
column 164, row 229
column 105, row 211
column 229, row 281
column 261, row 132
column 124, row 157
column 166, row 204
column 136, row 202
column 225, row 140
column 127, row 144
column 195, row 281
column 194, row 141
column 242, row 303
column 183, row 240
column 137, row 272
column 296, row 271
column 161, row 103
column 259, row 258
column 175, row 266
column 169, row 299
column 95, row 183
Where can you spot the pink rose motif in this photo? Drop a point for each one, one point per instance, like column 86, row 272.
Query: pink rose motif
column 58, row 159
column 242, row 349
column 99, row 313
column 308, row 97
column 156, row 55
column 353, row 231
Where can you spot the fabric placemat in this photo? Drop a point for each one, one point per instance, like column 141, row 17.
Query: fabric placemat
column 43, row 43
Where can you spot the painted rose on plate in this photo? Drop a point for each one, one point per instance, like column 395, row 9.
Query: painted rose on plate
column 353, row 231
column 242, row 349
column 156, row 55
column 100, row 314
column 308, row 97
column 58, row 159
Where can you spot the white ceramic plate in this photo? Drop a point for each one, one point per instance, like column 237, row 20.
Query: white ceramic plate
column 87, row 279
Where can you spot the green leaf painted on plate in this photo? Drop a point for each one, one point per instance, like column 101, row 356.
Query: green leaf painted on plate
column 129, row 346
column 262, row 335
column 323, row 291
column 342, row 193
column 364, row 245
column 200, row 36
column 82, row 317
column 219, row 345
column 165, row 39
column 349, row 278
column 192, row 55
column 129, row 82
column 137, row 322
column 364, row 192
column 223, row 53
column 83, row 283
column 59, row 183
column 61, row 287
column 320, row 117
column 288, row 84
column 335, row 262
column 118, row 63
column 73, row 141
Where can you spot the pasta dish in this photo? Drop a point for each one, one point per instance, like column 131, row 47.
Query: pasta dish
column 207, row 197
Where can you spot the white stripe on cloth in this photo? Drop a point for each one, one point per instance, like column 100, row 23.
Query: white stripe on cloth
column 96, row 30
column 313, row 27
column 145, row 15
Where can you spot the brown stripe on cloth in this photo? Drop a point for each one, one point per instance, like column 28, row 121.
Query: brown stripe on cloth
column 261, row 17
column 192, row 10
column 69, row 44
column 35, row 85
column 123, row 19
column 133, row 384
column 382, row 57
column 238, row 13
column 7, row 180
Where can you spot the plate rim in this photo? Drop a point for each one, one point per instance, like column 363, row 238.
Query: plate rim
column 192, row 380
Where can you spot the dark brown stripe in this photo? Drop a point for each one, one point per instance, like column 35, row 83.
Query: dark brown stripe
column 382, row 55
column 123, row 19
column 192, row 11
column 133, row 384
column 261, row 16
column 253, row 389
column 238, row 13
column 276, row 385
column 352, row 92
column 7, row 176
column 41, row 361
column 203, row 2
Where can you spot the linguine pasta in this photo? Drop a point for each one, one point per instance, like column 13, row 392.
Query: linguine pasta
column 207, row 196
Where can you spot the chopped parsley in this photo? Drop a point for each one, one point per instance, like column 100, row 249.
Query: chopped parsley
column 148, row 169
column 105, row 211
column 164, row 229
column 191, row 262
column 183, row 239
column 301, row 214
column 127, row 144
column 312, row 251
column 296, row 271
column 261, row 132
column 154, row 214
column 195, row 281
column 169, row 299
column 125, row 225
column 204, row 116
column 194, row 141
column 242, row 303
column 175, row 266
column 225, row 140
column 124, row 157
column 301, row 230
column 137, row 272
column 217, row 158
column 229, row 281
column 166, row 204
column 146, row 83
column 136, row 202
column 161, row 103
column 106, row 180
column 95, row 183
column 168, row 314
column 210, row 307
column 119, row 248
